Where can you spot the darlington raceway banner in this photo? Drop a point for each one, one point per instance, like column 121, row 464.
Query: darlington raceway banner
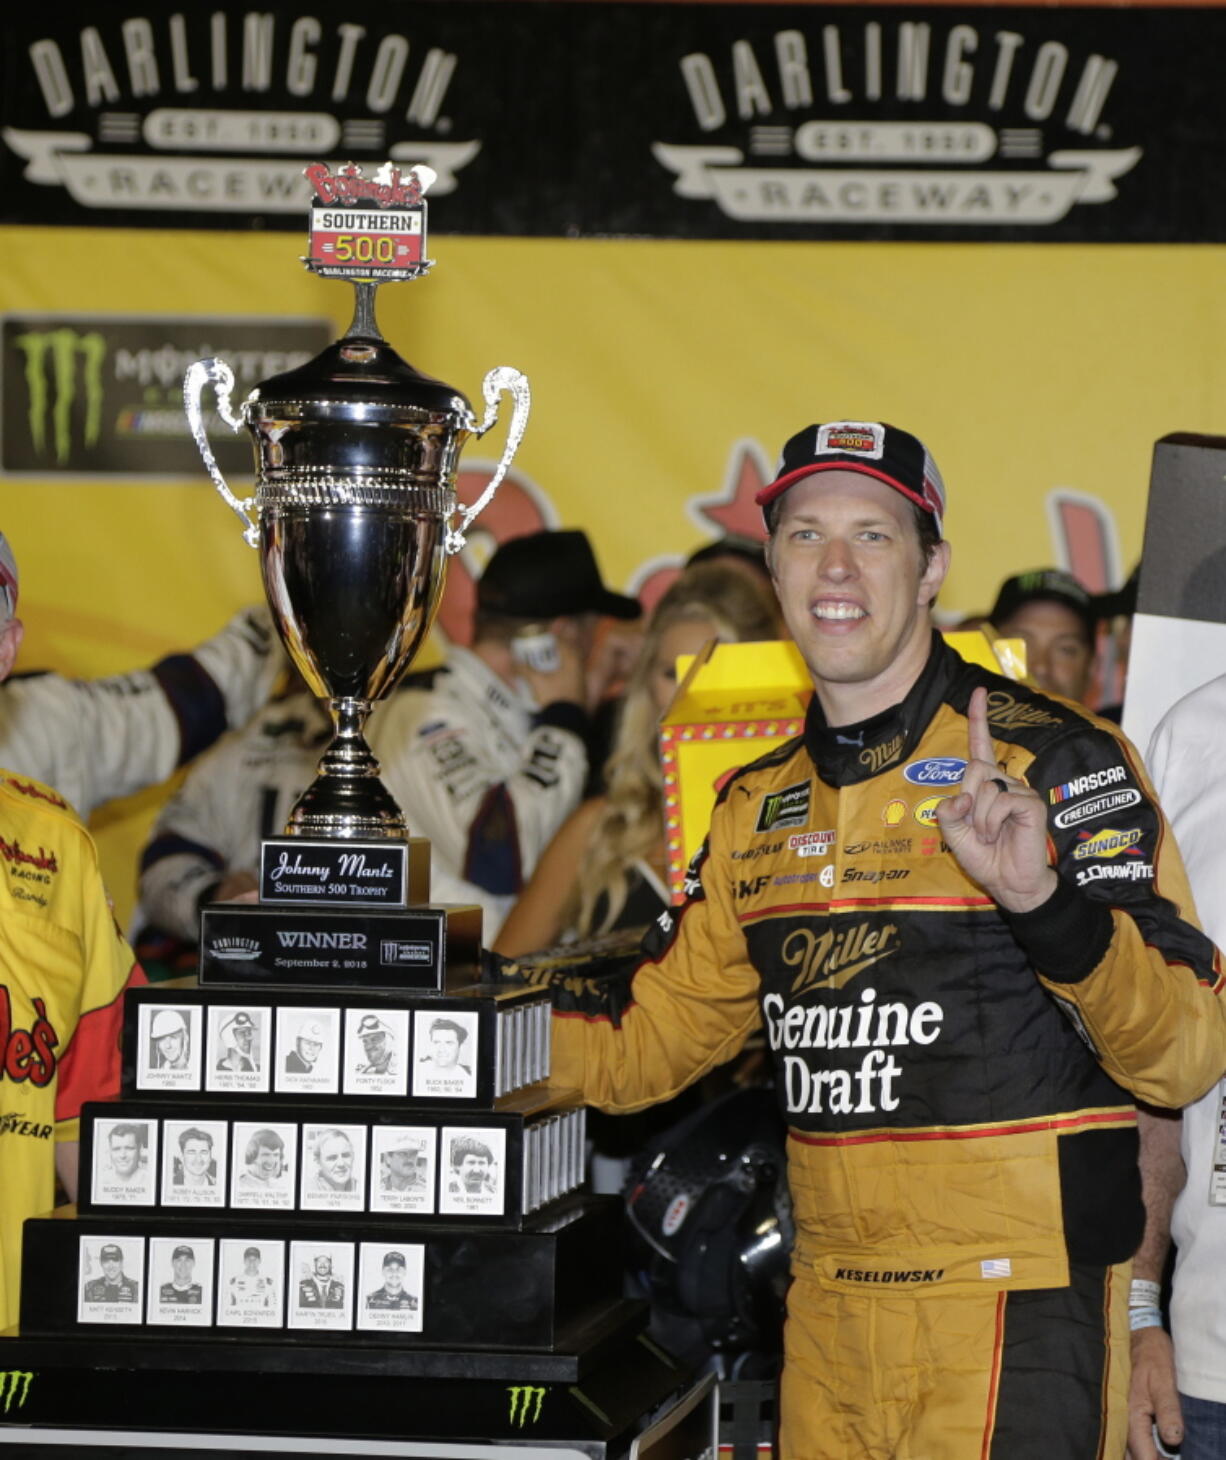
column 698, row 121
column 616, row 169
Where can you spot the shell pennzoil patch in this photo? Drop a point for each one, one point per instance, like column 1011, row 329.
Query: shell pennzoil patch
column 926, row 810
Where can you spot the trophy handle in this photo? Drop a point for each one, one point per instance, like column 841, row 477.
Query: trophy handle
column 502, row 377
column 222, row 378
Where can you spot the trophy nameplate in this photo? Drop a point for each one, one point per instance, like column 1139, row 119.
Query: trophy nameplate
column 418, row 948
column 333, row 873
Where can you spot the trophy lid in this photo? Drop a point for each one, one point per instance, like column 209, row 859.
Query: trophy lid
column 362, row 368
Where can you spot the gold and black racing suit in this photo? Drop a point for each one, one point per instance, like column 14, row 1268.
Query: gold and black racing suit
column 958, row 1081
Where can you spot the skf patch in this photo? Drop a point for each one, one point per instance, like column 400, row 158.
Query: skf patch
column 1107, row 843
column 858, row 438
column 789, row 807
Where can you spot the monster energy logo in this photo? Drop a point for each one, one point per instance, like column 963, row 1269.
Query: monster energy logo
column 526, row 1401
column 51, row 381
column 14, row 1386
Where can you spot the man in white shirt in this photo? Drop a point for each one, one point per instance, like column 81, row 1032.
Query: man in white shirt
column 1184, row 1160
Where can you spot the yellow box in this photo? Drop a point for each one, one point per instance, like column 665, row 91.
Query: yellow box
column 735, row 702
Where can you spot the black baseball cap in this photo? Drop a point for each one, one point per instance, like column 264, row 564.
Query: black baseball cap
column 873, row 449
column 1051, row 585
column 394, row 1259
column 183, row 1251
column 548, row 575
column 110, row 1253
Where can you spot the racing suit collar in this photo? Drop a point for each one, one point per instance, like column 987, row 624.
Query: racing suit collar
column 858, row 752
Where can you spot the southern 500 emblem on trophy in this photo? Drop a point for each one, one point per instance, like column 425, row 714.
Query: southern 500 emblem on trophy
column 355, row 505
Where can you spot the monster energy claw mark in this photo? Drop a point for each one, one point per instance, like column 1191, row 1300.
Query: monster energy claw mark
column 51, row 381
column 14, row 1388
column 526, row 1401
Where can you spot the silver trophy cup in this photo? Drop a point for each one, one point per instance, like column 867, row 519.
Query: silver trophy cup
column 355, row 461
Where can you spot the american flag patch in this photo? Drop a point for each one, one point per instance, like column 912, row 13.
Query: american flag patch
column 996, row 1267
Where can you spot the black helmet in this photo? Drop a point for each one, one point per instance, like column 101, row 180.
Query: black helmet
column 708, row 1202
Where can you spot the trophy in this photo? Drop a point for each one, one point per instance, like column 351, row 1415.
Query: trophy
column 354, row 505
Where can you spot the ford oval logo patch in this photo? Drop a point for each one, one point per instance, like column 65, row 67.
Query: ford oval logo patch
column 941, row 770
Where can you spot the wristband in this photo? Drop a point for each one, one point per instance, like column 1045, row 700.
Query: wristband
column 1144, row 1318
column 1144, row 1294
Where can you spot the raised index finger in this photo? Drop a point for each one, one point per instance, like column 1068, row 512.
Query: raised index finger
column 980, row 737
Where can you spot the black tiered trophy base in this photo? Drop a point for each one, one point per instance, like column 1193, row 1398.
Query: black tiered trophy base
column 586, row 1400
column 481, row 1289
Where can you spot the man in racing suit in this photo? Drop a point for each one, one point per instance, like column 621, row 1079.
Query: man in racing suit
column 95, row 739
column 489, row 756
column 205, row 846
column 951, row 904
column 63, row 968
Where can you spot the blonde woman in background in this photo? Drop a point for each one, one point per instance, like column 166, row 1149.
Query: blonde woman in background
column 604, row 871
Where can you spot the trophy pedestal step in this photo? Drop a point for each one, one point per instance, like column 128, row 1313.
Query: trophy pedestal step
column 595, row 1392
column 528, row 1163
column 462, row 1288
column 492, row 1048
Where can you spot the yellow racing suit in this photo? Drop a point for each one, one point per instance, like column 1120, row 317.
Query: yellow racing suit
column 958, row 1081
column 63, row 967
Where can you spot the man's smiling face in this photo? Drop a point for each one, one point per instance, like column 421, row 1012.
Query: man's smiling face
column 854, row 588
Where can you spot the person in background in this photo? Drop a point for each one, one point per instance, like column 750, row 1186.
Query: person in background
column 605, row 868
column 95, row 739
column 205, row 844
column 64, row 967
column 489, row 755
column 1182, row 1389
column 746, row 555
column 1057, row 619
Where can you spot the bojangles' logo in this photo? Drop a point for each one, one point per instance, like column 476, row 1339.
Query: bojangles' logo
column 833, row 958
column 27, row 1054
column 390, row 190
column 42, row 860
column 40, row 793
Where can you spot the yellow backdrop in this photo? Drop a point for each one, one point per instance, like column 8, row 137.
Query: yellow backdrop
column 1025, row 368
